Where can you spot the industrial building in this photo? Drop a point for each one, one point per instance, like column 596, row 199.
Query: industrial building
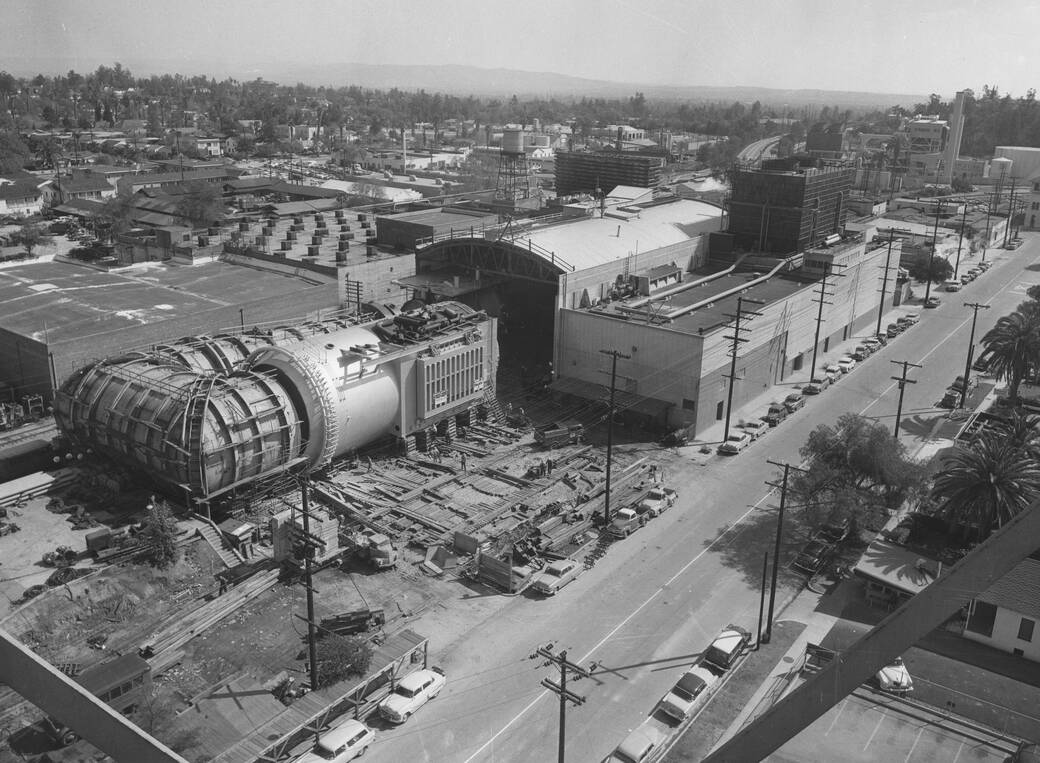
column 677, row 329
column 207, row 415
column 787, row 205
column 585, row 172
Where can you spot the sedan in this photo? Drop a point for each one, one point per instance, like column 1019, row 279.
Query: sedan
column 881, row 339
column 682, row 698
column 833, row 372
column 932, row 302
column 793, row 402
column 846, row 363
column 556, row 575
column 735, row 443
column 412, row 692
column 813, row 556
column 816, row 386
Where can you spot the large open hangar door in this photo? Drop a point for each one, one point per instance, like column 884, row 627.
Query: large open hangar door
column 515, row 284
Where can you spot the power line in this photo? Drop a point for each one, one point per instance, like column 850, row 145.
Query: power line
column 903, row 381
column 735, row 351
column 976, row 306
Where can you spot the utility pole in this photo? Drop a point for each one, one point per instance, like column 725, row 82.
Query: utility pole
column 985, row 244
column 734, row 352
column 819, row 316
column 1011, row 212
column 560, row 689
column 903, row 381
column 975, row 306
column 884, row 284
column 782, row 487
column 614, row 355
column 931, row 256
column 960, row 240
column 762, row 599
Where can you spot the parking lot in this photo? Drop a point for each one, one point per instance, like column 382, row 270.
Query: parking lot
column 862, row 728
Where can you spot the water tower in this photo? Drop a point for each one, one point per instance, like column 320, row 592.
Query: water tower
column 514, row 177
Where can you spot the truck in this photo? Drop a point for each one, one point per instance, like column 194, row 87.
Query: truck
column 656, row 501
column 626, row 522
column 559, row 433
column 376, row 549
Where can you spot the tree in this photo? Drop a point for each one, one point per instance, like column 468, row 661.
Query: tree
column 156, row 713
column 854, row 469
column 1015, row 344
column 982, row 487
column 161, row 531
column 14, row 154
column 31, row 236
column 340, row 657
column 928, row 267
column 201, row 203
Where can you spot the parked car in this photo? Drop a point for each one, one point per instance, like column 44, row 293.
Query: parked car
column 872, row 344
column 755, row 428
column 735, row 443
column 639, row 745
column 894, row 330
column 816, row 386
column 951, row 285
column 983, row 360
column 834, row 532
column 776, row 413
column 556, row 575
column 813, row 556
column 833, row 372
column 727, row 647
column 846, row 363
column 958, row 383
column 966, row 278
column 932, row 302
column 881, row 339
column 910, row 319
column 412, row 692
column 951, row 398
column 656, row 501
column 895, row 678
column 984, row 266
column 680, row 700
column 860, row 353
column 793, row 402
column 344, row 742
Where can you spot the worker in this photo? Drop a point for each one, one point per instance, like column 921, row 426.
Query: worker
column 369, row 459
column 462, row 458
column 548, row 466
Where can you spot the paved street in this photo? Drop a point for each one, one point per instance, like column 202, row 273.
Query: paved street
column 648, row 607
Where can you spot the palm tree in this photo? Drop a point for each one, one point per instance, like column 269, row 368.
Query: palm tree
column 1015, row 342
column 984, row 486
column 1022, row 431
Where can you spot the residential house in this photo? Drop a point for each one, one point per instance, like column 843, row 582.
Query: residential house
column 20, row 196
column 1006, row 615
column 893, row 573
column 84, row 186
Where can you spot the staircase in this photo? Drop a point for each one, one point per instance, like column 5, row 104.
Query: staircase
column 212, row 535
column 495, row 414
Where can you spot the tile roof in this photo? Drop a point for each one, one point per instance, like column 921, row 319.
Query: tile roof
column 1019, row 590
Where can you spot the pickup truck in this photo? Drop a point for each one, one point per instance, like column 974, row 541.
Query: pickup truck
column 777, row 413
column 626, row 522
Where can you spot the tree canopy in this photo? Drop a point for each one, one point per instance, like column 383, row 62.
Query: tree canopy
column 854, row 469
column 927, row 267
column 340, row 657
column 201, row 204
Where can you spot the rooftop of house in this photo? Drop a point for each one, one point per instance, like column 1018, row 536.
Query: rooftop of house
column 1019, row 590
column 897, row 567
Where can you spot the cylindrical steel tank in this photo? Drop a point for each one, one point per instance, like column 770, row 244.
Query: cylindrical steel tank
column 316, row 371
column 199, row 432
column 512, row 141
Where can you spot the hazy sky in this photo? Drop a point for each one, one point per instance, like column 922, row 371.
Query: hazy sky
column 867, row 45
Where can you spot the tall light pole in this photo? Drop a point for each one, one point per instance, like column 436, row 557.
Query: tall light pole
column 614, row 355
column 975, row 306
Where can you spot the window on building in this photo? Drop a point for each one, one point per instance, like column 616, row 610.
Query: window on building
column 799, row 359
column 1025, row 629
column 982, row 617
column 689, row 405
column 1018, row 653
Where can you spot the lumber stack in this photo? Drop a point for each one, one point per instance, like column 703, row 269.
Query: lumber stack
column 180, row 630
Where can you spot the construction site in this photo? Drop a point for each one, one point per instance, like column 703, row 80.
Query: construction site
column 372, row 446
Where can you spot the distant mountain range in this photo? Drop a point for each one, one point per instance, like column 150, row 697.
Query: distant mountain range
column 473, row 80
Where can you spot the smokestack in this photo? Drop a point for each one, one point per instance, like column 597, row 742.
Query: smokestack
column 953, row 146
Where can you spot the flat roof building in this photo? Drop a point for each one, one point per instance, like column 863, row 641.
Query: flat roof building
column 584, row 172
